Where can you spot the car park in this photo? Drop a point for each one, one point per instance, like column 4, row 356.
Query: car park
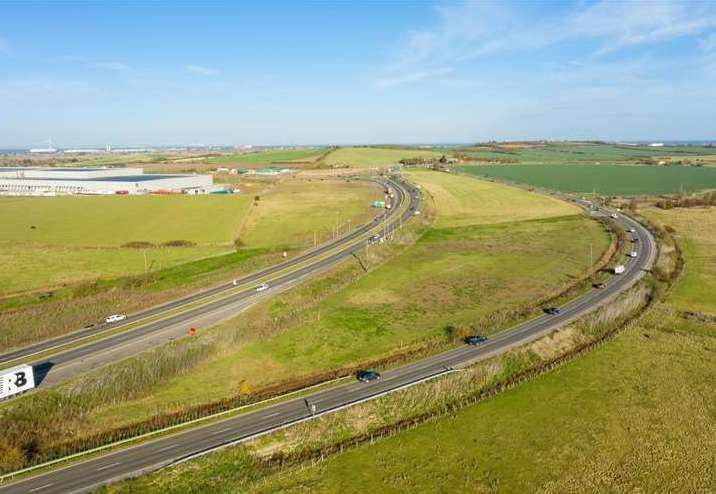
column 553, row 311
column 367, row 376
column 475, row 339
column 115, row 318
column 262, row 287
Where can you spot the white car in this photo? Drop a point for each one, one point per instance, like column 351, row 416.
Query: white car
column 632, row 230
column 614, row 216
column 633, row 254
column 262, row 287
column 115, row 318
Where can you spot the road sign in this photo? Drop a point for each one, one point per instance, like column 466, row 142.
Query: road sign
column 16, row 380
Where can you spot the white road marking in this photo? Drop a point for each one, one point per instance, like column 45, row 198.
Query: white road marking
column 168, row 447
column 108, row 466
column 41, row 487
column 270, row 415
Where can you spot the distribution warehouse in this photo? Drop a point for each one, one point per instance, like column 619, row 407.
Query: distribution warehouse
column 54, row 181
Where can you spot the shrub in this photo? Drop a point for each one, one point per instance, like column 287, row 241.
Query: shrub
column 178, row 243
column 138, row 244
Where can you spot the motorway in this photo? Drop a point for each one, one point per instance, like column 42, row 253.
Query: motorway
column 87, row 475
column 67, row 356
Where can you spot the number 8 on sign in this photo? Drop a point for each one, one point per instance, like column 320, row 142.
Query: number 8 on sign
column 16, row 380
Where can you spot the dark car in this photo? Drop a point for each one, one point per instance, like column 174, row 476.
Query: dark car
column 635, row 239
column 552, row 311
column 475, row 339
column 599, row 285
column 367, row 376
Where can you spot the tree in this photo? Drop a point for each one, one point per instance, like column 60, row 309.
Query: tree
column 244, row 389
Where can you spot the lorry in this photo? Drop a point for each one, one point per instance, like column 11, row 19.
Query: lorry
column 16, row 380
column 619, row 269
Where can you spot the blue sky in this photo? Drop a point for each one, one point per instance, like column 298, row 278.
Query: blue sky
column 355, row 72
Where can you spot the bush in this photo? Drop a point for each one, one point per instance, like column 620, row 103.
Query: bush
column 456, row 332
column 239, row 244
column 138, row 244
column 179, row 243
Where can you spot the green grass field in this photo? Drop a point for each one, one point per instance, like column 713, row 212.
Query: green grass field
column 372, row 157
column 453, row 274
column 582, row 153
column 79, row 238
column 463, row 202
column 291, row 213
column 604, row 179
column 635, row 415
column 114, row 220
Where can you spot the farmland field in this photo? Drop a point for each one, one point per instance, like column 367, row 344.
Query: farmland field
column 604, row 179
column 453, row 274
column 370, row 157
column 585, row 153
column 636, row 414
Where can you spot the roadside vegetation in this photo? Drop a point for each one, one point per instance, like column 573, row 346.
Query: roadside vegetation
column 426, row 278
column 118, row 254
column 636, row 414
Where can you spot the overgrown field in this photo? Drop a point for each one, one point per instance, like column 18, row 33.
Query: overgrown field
column 479, row 273
column 636, row 414
column 604, row 179
column 372, row 157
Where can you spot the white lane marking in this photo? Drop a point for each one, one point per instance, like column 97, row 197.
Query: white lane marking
column 220, row 431
column 41, row 487
column 270, row 415
column 108, row 466
column 168, row 447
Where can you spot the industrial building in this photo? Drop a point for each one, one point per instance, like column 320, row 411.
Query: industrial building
column 26, row 181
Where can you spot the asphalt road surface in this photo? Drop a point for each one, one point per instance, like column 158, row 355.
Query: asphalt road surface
column 67, row 363
column 90, row 474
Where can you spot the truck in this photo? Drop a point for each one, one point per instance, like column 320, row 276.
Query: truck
column 619, row 269
column 16, row 380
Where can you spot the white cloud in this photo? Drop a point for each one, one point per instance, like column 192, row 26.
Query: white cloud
column 113, row 66
column 475, row 29
column 708, row 44
column 198, row 69
column 400, row 79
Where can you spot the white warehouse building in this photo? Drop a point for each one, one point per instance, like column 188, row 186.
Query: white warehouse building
column 22, row 181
